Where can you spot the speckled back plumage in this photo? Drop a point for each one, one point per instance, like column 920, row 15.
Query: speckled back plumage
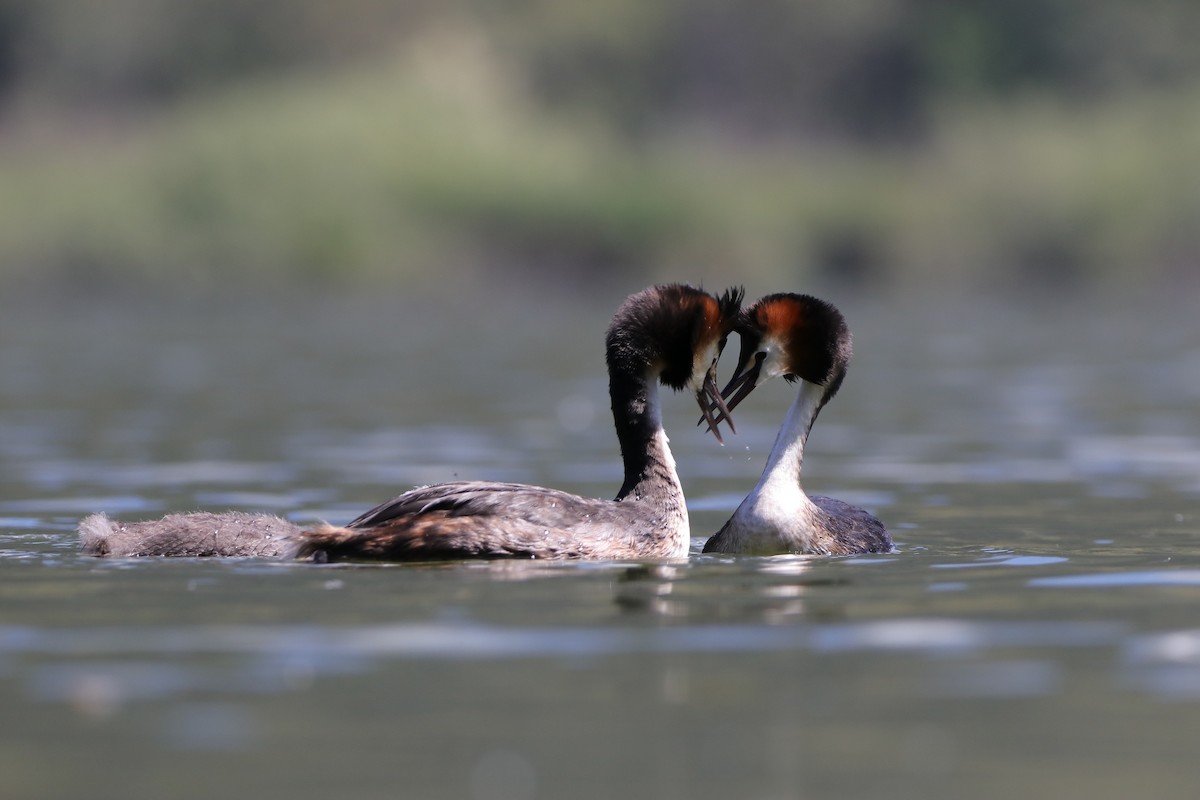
column 851, row 529
column 457, row 520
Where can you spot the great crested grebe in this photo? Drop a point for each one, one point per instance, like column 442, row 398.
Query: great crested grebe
column 806, row 339
column 671, row 334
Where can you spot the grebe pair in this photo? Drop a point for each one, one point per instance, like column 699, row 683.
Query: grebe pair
column 669, row 334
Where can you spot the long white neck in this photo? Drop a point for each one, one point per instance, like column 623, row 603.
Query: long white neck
column 776, row 516
column 787, row 455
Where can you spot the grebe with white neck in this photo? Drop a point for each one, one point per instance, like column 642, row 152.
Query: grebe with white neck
column 804, row 340
column 671, row 334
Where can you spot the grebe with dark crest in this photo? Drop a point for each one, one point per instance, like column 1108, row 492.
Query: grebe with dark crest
column 671, row 334
column 804, row 340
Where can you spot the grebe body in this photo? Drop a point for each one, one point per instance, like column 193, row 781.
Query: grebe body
column 670, row 334
column 666, row 334
column 804, row 340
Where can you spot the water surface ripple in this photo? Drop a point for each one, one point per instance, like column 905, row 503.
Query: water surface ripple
column 1035, row 633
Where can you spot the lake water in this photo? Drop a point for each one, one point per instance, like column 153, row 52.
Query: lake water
column 1036, row 634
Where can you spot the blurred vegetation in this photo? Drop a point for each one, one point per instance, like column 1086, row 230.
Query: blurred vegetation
column 203, row 142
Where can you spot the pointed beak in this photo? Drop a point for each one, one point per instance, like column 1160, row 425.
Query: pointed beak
column 712, row 406
column 743, row 382
column 738, row 389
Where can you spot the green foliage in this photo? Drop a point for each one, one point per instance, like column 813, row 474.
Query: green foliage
column 191, row 144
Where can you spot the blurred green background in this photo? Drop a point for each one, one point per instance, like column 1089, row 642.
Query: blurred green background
column 209, row 143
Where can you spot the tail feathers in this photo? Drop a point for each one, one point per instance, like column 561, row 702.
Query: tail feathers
column 191, row 535
column 94, row 532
